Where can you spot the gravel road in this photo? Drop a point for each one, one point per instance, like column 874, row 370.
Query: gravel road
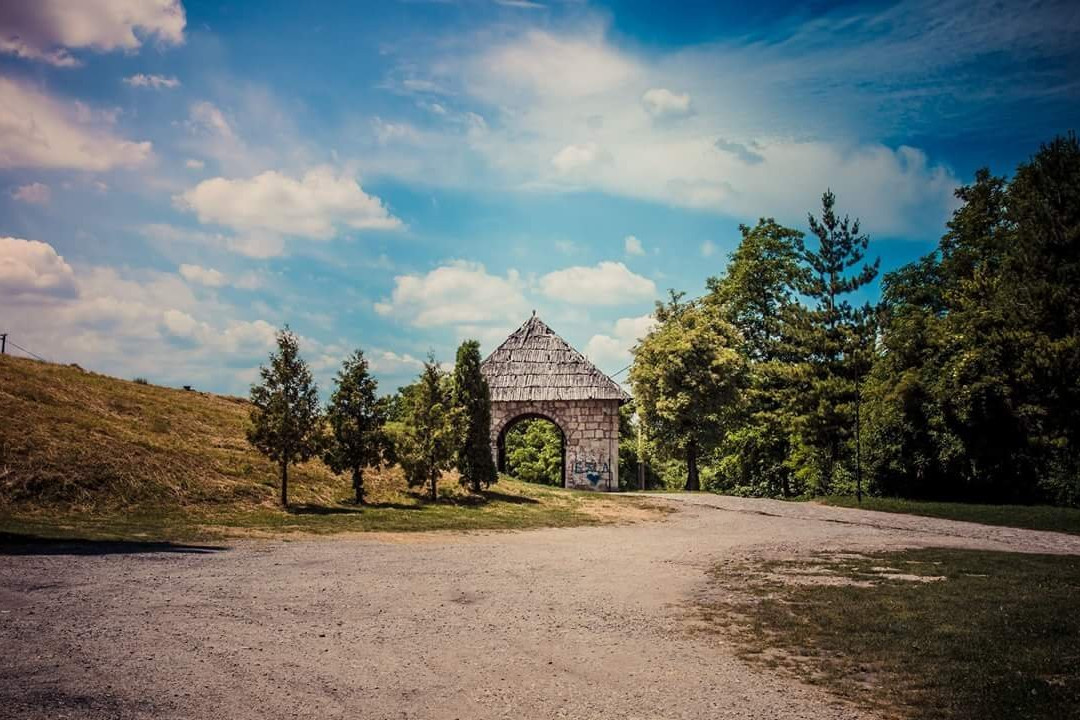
column 575, row 623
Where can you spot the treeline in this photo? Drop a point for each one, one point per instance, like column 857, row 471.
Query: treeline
column 440, row 422
column 962, row 382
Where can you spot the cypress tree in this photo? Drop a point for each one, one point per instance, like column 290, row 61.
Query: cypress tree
column 473, row 397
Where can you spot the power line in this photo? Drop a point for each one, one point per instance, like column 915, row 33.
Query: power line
column 9, row 341
column 620, row 372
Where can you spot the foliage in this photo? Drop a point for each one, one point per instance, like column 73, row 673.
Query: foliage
column 688, row 376
column 473, row 398
column 756, row 295
column 356, row 420
column 830, row 340
column 975, row 394
column 285, row 415
column 534, row 452
column 426, row 445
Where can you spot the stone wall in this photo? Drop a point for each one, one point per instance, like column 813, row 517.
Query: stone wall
column 591, row 432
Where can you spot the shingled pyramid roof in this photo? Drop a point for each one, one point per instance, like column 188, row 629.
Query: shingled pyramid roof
column 536, row 364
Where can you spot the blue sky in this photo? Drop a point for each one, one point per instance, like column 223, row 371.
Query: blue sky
column 179, row 179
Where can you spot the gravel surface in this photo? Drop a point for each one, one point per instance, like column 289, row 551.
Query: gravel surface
column 577, row 623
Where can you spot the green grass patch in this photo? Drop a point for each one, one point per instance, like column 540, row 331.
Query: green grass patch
column 931, row 633
column 509, row 505
column 1034, row 517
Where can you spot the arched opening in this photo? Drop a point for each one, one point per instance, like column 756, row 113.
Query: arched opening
column 532, row 448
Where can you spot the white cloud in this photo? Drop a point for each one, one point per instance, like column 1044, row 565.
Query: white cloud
column 612, row 352
column 708, row 248
column 458, row 294
column 390, row 363
column 543, row 64
column 203, row 276
column 387, row 132
column 34, row 193
column 39, row 131
column 574, row 157
column 127, row 321
column 208, row 117
column 632, row 245
column 152, row 81
column 193, row 164
column 663, row 103
column 607, row 283
column 565, row 114
column 30, row 268
column 44, row 30
column 311, row 206
column 259, row 245
column 212, row 278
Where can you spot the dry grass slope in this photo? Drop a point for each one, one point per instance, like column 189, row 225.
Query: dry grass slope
column 87, row 455
column 78, row 439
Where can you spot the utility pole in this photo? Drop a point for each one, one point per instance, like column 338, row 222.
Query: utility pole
column 3, row 343
column 640, row 455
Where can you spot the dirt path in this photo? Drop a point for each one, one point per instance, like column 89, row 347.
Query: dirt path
column 578, row 623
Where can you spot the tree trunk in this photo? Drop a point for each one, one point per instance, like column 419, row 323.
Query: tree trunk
column 284, row 484
column 358, row 484
column 693, row 484
column 434, row 481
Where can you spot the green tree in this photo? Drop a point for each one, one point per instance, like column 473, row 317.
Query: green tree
column 687, row 377
column 473, row 397
column 356, row 418
column 831, row 338
column 285, row 415
column 534, row 452
column 426, row 444
column 755, row 294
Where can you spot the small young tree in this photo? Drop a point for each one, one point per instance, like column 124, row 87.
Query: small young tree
column 473, row 398
column 427, row 443
column 356, row 419
column 285, row 418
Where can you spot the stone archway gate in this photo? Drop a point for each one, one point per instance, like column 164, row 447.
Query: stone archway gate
column 536, row 373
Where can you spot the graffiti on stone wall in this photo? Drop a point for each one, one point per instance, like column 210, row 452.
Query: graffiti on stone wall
column 595, row 470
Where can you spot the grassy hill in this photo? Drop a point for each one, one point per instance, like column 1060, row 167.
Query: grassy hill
column 84, row 454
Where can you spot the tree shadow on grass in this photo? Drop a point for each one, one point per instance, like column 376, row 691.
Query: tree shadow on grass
column 495, row 495
column 29, row 544
column 308, row 509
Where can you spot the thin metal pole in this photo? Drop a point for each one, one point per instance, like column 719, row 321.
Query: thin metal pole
column 3, row 343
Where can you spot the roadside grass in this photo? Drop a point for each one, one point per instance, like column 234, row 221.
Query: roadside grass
column 509, row 505
column 84, row 455
column 921, row 634
column 1034, row 517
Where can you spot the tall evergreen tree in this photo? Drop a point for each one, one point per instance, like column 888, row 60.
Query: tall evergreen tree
column 426, row 445
column 473, row 397
column 755, row 295
column 687, row 377
column 356, row 418
column 285, row 414
column 831, row 336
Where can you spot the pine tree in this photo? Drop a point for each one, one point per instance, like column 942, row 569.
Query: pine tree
column 426, row 444
column 356, row 418
column 285, row 417
column 473, row 398
column 831, row 338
